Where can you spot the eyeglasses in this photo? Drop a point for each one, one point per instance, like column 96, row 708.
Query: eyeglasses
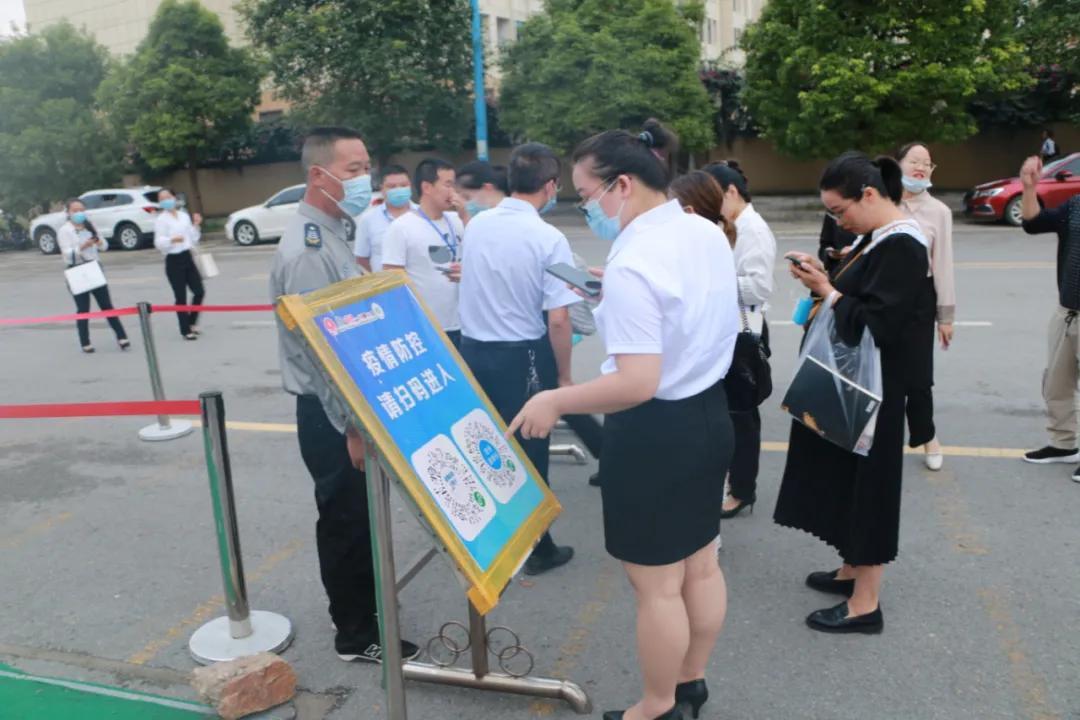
column 839, row 214
column 922, row 165
column 581, row 205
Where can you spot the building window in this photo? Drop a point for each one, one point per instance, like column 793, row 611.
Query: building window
column 268, row 115
column 738, row 35
column 505, row 31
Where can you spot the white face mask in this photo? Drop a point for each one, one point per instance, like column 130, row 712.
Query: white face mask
column 914, row 185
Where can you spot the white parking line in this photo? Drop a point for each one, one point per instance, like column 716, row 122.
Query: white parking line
column 958, row 323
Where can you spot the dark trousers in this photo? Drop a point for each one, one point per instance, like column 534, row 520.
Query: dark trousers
column 589, row 431
column 342, row 532
column 82, row 304
column 920, row 416
column 504, row 371
column 746, row 460
column 455, row 338
column 182, row 273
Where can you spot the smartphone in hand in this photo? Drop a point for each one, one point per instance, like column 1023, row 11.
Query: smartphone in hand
column 583, row 281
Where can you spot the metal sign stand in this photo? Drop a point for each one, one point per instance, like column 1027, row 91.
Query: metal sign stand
column 165, row 429
column 243, row 631
column 478, row 639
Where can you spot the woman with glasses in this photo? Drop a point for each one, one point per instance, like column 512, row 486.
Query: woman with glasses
column 669, row 320
column 935, row 219
column 850, row 501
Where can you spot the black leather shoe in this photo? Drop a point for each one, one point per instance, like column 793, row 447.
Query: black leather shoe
column 835, row 620
column 539, row 564
column 826, row 582
column 594, row 479
column 672, row 714
column 743, row 504
column 694, row 694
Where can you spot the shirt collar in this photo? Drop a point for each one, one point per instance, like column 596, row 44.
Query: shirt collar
column 906, row 226
column 659, row 215
column 332, row 224
column 747, row 215
column 518, row 205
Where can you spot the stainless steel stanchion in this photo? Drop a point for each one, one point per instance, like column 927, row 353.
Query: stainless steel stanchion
column 382, row 542
column 242, row 632
column 165, row 428
column 570, row 449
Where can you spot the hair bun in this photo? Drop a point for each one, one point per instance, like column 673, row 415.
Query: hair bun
column 733, row 164
column 647, row 137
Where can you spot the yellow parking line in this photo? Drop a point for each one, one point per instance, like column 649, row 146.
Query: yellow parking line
column 14, row 541
column 207, row 610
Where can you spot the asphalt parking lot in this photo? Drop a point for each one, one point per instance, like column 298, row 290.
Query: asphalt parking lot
column 107, row 551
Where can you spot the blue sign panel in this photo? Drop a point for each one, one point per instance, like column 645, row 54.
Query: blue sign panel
column 412, row 381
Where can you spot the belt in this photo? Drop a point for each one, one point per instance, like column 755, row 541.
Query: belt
column 503, row 344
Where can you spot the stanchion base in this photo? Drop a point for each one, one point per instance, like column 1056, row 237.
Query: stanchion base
column 175, row 429
column 213, row 643
column 571, row 450
column 569, row 692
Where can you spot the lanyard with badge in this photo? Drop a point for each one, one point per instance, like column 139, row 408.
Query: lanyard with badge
column 449, row 239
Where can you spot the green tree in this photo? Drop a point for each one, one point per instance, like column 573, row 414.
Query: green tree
column 399, row 71
column 828, row 75
column 583, row 66
column 184, row 92
column 53, row 143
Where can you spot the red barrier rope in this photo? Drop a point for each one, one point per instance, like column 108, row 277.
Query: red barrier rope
column 211, row 308
column 100, row 409
column 132, row 311
column 68, row 318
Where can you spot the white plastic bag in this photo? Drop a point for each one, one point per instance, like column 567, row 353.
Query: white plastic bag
column 837, row 388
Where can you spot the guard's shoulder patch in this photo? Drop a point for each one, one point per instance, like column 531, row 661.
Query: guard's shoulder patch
column 312, row 235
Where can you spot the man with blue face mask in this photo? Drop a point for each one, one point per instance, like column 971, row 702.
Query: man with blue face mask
column 373, row 223
column 505, row 292
column 312, row 254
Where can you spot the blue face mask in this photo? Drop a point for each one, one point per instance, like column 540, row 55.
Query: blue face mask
column 79, row 218
column 398, row 197
column 474, row 208
column 168, row 204
column 914, row 185
column 606, row 228
column 357, row 194
column 549, row 205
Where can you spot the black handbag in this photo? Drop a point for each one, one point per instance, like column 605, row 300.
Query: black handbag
column 749, row 381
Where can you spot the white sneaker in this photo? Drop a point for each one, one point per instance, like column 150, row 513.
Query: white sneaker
column 934, row 461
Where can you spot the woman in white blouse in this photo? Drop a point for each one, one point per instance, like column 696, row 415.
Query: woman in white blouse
column 669, row 318
column 755, row 256
column 935, row 219
column 79, row 243
column 176, row 234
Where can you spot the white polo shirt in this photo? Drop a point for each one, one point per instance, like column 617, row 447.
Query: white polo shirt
column 504, row 289
column 410, row 241
column 669, row 290
column 371, row 227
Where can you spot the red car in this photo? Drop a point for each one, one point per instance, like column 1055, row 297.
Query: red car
column 1000, row 200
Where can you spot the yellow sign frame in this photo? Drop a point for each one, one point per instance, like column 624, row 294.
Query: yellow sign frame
column 298, row 313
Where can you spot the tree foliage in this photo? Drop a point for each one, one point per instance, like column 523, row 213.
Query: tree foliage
column 583, row 66
column 1050, row 30
column 185, row 91
column 827, row 75
column 399, row 71
column 725, row 86
column 53, row 143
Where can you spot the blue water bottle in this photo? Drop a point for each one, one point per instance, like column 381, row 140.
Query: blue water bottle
column 802, row 311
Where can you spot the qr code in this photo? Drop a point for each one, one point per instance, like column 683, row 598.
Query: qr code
column 490, row 455
column 456, row 489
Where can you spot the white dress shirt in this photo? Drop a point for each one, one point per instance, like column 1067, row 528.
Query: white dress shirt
column 669, row 290
column 69, row 238
column 504, row 286
column 371, row 228
column 409, row 243
column 167, row 226
column 755, row 257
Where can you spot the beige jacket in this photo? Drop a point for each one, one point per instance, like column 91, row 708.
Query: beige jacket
column 935, row 219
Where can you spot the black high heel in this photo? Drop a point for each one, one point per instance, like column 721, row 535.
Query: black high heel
column 728, row 514
column 694, row 693
column 672, row 714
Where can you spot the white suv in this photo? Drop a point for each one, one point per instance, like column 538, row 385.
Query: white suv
column 124, row 217
column 267, row 221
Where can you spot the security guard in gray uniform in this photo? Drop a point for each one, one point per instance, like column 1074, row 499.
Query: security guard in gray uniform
column 311, row 255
